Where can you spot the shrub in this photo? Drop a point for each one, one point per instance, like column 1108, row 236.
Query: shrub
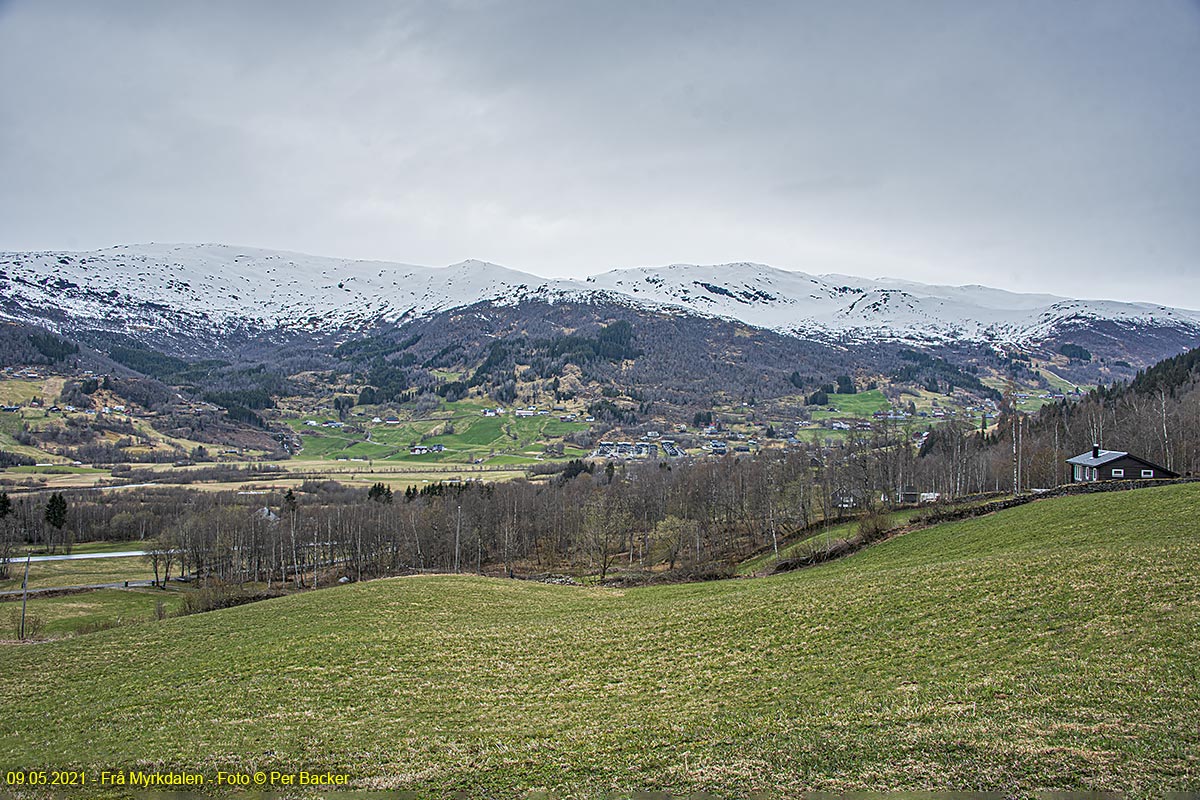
column 213, row 598
column 34, row 624
column 695, row 573
column 873, row 526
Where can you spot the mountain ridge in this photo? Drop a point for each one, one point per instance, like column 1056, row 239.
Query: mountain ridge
column 193, row 286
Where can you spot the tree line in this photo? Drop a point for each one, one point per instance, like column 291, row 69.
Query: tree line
column 580, row 520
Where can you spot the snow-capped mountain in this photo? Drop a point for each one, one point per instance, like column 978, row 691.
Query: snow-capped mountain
column 863, row 309
column 193, row 288
column 247, row 286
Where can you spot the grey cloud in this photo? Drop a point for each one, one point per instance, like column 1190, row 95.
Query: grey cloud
column 1032, row 146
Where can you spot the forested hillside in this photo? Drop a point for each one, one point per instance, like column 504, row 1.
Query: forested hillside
column 1155, row 416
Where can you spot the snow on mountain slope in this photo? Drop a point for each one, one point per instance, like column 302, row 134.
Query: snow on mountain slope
column 242, row 285
column 196, row 286
column 863, row 309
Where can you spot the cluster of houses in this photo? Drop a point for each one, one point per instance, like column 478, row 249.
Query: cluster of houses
column 937, row 412
column 534, row 411
column 329, row 423
column 852, row 425
column 669, row 447
column 120, row 409
column 645, row 448
column 1042, row 395
column 26, row 373
column 333, row 423
column 720, row 447
column 423, row 449
column 672, row 450
column 641, row 449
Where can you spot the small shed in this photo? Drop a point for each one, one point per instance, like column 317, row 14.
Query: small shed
column 846, row 499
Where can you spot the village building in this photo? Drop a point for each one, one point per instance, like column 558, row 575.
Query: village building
column 1114, row 465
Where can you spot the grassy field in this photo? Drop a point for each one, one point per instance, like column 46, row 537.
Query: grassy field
column 840, row 530
column 88, row 611
column 1058, row 382
column 10, row 425
column 1049, row 647
column 762, row 561
column 89, row 547
column 863, row 404
column 57, row 469
column 14, row 391
column 397, row 474
column 460, row 428
column 82, row 572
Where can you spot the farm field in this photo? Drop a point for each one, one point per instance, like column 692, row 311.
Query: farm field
column 397, row 479
column 76, row 613
column 79, row 572
column 1033, row 399
column 10, row 426
column 293, row 473
column 80, row 548
column 14, row 391
column 1048, row 647
column 460, row 428
column 861, row 405
column 57, row 469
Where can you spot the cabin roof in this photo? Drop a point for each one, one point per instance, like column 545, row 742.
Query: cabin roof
column 1086, row 459
column 1109, row 456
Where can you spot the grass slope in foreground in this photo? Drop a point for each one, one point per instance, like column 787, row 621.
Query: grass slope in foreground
column 1052, row 646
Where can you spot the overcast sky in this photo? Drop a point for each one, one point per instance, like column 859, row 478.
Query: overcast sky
column 1037, row 146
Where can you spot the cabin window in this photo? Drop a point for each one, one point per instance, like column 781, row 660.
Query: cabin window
column 1118, row 473
column 1147, row 473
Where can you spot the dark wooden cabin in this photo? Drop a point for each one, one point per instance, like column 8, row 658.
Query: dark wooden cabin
column 1114, row 465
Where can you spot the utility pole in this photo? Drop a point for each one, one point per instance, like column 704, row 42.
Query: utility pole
column 771, row 510
column 1010, row 396
column 1162, row 394
column 1014, row 451
column 24, row 596
column 1020, row 452
column 1056, row 458
column 457, row 537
